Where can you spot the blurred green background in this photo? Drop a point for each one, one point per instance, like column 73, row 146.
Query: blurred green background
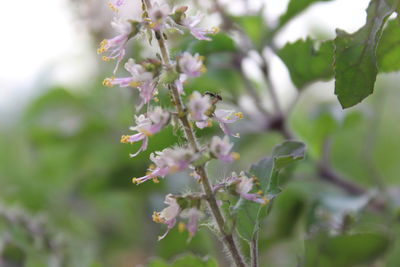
column 66, row 197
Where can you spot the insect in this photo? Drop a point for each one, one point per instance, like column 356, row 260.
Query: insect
column 215, row 97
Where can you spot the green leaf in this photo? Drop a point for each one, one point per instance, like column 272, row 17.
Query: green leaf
column 253, row 26
column 250, row 214
column 294, row 8
column 355, row 56
column 345, row 250
column 388, row 52
column 185, row 261
column 287, row 153
column 307, row 64
column 324, row 121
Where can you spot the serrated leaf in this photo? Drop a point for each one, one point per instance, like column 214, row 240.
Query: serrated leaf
column 305, row 63
column 388, row 52
column 355, row 56
column 345, row 250
column 250, row 214
column 185, row 261
column 295, row 7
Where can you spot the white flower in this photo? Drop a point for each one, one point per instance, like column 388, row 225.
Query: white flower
column 158, row 14
column 243, row 185
column 146, row 126
column 191, row 22
column 221, row 149
column 193, row 215
column 168, row 215
column 115, row 47
column 198, row 106
column 168, row 161
column 190, row 65
column 140, row 78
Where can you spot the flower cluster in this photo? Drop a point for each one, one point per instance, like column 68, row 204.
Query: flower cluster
column 186, row 210
column 151, row 75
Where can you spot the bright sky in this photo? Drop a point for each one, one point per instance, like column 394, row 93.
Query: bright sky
column 41, row 44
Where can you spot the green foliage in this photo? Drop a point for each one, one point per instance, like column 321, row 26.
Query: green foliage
column 306, row 63
column 295, row 7
column 321, row 124
column 388, row 52
column 254, row 27
column 185, row 261
column 220, row 43
column 345, row 250
column 355, row 56
column 250, row 214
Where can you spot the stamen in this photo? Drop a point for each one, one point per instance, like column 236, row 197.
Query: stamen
column 181, row 227
column 239, row 115
column 125, row 139
column 235, row 155
column 108, row 82
column 266, row 200
column 135, row 84
column 113, row 7
column 157, row 217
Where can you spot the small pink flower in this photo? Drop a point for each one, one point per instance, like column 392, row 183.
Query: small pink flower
column 140, row 78
column 146, row 126
column 192, row 66
column 221, row 149
column 193, row 215
column 115, row 47
column 191, row 22
column 168, row 215
column 243, row 185
column 224, row 117
column 198, row 105
column 158, row 14
column 168, row 161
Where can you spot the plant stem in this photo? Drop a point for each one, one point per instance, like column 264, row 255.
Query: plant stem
column 227, row 237
column 254, row 251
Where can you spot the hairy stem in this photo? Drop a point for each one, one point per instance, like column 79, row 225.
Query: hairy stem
column 227, row 237
column 254, row 251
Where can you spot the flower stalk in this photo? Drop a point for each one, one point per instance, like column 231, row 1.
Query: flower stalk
column 227, row 238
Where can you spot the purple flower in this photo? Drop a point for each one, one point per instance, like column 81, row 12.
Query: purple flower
column 140, row 78
column 115, row 47
column 146, row 126
column 198, row 105
column 192, row 66
column 201, row 108
column 224, row 117
column 168, row 215
column 221, row 149
column 168, row 161
column 191, row 22
column 158, row 15
column 243, row 185
column 193, row 215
